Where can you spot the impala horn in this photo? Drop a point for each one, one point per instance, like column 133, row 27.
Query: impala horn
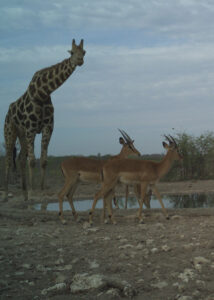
column 168, row 139
column 173, row 140
column 126, row 136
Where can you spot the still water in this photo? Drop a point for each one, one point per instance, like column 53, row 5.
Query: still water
column 172, row 201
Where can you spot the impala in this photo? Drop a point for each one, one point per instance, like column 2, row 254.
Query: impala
column 140, row 172
column 83, row 169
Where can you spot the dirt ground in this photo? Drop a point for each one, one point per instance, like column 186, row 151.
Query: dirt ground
column 162, row 259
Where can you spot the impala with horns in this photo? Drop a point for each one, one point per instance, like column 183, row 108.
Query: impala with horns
column 83, row 169
column 140, row 172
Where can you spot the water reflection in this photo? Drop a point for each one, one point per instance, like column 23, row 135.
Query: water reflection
column 172, row 201
column 192, row 201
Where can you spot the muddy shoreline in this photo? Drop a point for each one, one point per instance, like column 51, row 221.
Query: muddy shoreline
column 161, row 259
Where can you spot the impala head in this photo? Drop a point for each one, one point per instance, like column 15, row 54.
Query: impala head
column 128, row 145
column 77, row 53
column 172, row 148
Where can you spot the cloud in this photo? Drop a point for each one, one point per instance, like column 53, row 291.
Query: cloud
column 178, row 20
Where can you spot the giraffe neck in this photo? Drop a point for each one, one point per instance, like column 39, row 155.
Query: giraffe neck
column 46, row 81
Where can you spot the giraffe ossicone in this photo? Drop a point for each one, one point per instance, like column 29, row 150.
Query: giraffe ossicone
column 33, row 113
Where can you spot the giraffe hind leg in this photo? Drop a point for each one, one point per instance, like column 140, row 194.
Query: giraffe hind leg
column 10, row 138
column 22, row 159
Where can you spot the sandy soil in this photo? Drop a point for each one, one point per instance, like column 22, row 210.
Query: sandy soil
column 162, row 259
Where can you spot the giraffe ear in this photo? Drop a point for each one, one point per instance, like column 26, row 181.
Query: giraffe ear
column 81, row 43
column 73, row 43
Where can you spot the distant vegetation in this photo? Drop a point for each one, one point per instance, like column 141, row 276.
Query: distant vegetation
column 198, row 160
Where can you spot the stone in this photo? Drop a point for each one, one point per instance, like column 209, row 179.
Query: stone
column 154, row 250
column 93, row 265
column 199, row 261
column 149, row 242
column 114, row 293
column 125, row 246
column 160, row 284
column 84, row 282
column 57, row 287
column 176, row 217
column 187, row 275
column 139, row 246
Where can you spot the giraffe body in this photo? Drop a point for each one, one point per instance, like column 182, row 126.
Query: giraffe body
column 33, row 113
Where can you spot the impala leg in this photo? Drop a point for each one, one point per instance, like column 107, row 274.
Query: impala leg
column 115, row 201
column 109, row 207
column 137, row 190
column 64, row 191
column 157, row 194
column 105, row 189
column 97, row 196
column 70, row 199
column 127, row 194
column 108, row 201
column 148, row 199
column 143, row 193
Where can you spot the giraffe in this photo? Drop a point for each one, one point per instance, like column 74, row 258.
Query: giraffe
column 33, row 113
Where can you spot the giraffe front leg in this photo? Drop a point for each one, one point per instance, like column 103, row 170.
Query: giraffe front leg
column 46, row 136
column 10, row 139
column 30, row 137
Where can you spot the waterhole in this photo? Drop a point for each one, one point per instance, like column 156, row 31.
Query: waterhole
column 172, row 201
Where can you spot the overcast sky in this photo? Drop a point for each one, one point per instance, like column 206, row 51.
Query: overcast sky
column 149, row 68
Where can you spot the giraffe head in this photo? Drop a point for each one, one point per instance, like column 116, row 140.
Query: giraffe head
column 77, row 53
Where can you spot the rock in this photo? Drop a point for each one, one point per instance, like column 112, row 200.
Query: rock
column 59, row 261
column 149, row 242
column 60, row 278
column 160, row 285
column 139, row 246
column 160, row 226
column 185, row 298
column 93, row 265
column 57, row 287
column 114, row 293
column 187, row 275
column 142, row 226
column 86, row 225
column 165, row 248
column 95, row 229
column 125, row 246
column 199, row 261
column 176, row 217
column 19, row 273
column 154, row 250
column 84, row 282
column 188, row 246
column 26, row 266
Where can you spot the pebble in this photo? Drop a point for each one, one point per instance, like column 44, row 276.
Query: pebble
column 160, row 284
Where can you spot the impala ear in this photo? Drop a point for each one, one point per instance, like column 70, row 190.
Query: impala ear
column 121, row 141
column 165, row 145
